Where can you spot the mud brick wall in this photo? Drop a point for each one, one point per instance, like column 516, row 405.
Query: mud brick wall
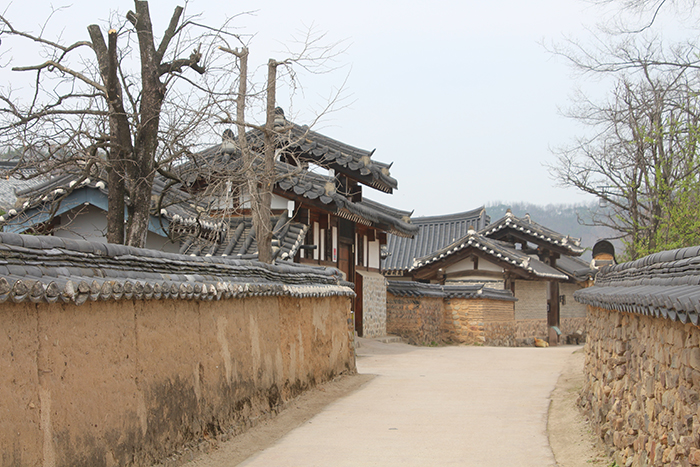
column 116, row 383
column 532, row 300
column 479, row 321
column 642, row 387
column 419, row 320
column 571, row 308
column 374, row 302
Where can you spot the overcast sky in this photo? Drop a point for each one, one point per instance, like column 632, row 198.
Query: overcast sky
column 459, row 95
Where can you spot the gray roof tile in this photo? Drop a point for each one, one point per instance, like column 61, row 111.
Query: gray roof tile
column 419, row 289
column 533, row 232
column 665, row 284
column 434, row 233
column 75, row 271
column 499, row 251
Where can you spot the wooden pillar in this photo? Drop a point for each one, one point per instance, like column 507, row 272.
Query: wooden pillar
column 553, row 306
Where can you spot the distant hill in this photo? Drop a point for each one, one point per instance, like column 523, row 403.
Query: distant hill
column 562, row 218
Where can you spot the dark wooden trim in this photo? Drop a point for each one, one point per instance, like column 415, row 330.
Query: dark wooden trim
column 475, row 272
column 515, row 233
column 430, row 271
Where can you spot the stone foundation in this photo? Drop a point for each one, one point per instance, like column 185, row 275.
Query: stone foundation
column 374, row 303
column 642, row 388
column 478, row 321
column 419, row 320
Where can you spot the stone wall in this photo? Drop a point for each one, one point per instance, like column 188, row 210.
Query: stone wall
column 419, row 320
column 642, row 387
column 478, row 321
column 116, row 383
column 573, row 331
column 374, row 303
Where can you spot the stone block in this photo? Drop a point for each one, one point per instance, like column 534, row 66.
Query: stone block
column 694, row 456
column 694, row 358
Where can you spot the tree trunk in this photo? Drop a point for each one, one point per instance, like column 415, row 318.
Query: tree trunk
column 261, row 218
column 120, row 145
column 141, row 168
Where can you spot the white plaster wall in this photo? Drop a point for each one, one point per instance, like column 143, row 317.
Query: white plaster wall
column 374, row 252
column 468, row 265
column 91, row 224
column 317, row 240
column 84, row 223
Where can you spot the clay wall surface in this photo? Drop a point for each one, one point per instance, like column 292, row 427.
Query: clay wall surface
column 642, row 387
column 419, row 320
column 128, row 382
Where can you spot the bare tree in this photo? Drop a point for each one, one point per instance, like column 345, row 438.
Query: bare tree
column 88, row 115
column 641, row 15
column 257, row 170
column 641, row 159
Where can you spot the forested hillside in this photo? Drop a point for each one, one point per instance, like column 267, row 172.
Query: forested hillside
column 562, row 218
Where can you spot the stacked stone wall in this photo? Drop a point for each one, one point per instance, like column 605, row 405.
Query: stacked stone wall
column 419, row 320
column 642, row 388
column 479, row 321
column 374, row 301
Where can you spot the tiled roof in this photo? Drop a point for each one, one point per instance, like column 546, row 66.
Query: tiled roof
column 235, row 237
column 665, row 284
column 310, row 146
column 525, row 228
column 51, row 269
column 9, row 184
column 499, row 251
column 434, row 233
column 575, row 268
column 323, row 189
column 38, row 200
column 419, row 289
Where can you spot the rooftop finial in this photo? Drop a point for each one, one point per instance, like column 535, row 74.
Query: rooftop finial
column 280, row 121
column 228, row 141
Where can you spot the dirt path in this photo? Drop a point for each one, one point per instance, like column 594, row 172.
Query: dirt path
column 266, row 433
column 569, row 435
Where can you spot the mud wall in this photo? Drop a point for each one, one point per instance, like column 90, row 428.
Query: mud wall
column 128, row 382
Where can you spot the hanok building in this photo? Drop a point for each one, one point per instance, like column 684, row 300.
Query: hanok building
column 539, row 267
column 320, row 215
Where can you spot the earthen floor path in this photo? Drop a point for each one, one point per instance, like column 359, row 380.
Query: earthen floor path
column 461, row 406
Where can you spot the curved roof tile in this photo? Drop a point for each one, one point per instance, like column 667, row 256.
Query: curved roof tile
column 663, row 285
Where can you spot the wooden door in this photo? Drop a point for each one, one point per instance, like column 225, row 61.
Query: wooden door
column 346, row 264
column 358, row 304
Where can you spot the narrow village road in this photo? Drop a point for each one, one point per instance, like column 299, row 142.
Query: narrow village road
column 465, row 406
